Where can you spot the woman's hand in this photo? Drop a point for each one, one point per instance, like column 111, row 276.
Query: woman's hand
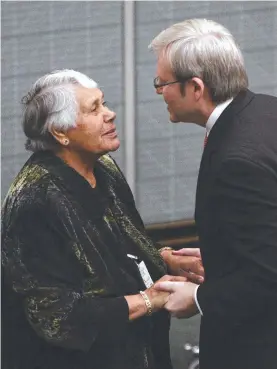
column 186, row 262
column 159, row 298
column 137, row 304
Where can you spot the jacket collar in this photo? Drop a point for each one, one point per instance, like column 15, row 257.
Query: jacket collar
column 91, row 199
column 223, row 123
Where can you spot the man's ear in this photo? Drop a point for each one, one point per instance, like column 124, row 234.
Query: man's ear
column 199, row 87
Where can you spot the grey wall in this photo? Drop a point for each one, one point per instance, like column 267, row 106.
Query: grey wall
column 38, row 37
column 88, row 36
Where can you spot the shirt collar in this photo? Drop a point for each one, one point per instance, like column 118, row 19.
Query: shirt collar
column 216, row 114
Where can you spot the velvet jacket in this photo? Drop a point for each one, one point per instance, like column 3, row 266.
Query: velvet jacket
column 65, row 271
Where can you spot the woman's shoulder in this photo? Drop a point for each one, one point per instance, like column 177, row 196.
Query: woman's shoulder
column 109, row 163
column 111, row 166
column 29, row 187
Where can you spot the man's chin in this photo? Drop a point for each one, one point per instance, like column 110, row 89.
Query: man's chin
column 174, row 119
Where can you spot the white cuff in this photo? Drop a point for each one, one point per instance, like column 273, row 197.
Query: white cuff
column 196, row 301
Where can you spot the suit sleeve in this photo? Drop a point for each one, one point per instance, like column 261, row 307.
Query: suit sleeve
column 43, row 268
column 246, row 199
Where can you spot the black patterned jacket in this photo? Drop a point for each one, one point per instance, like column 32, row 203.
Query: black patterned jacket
column 65, row 271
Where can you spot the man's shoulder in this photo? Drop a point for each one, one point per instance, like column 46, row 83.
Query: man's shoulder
column 265, row 97
column 262, row 105
column 254, row 125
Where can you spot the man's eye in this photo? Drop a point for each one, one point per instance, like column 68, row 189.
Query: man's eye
column 104, row 103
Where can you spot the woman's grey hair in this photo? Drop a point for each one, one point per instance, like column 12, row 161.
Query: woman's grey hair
column 51, row 103
column 205, row 49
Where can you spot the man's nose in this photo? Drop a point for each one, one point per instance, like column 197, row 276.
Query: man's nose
column 159, row 90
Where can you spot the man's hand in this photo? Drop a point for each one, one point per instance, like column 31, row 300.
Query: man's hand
column 186, row 251
column 180, row 303
column 185, row 262
column 158, row 298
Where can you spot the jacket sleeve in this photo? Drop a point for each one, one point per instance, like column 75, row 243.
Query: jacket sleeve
column 246, row 196
column 44, row 267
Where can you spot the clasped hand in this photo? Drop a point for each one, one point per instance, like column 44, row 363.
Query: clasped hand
column 158, row 297
column 186, row 262
column 181, row 302
column 175, row 294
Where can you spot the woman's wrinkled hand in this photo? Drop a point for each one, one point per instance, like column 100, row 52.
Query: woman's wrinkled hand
column 185, row 262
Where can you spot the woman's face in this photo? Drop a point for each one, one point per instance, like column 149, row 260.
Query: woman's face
column 95, row 131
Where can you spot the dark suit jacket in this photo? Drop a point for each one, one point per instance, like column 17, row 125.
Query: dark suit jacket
column 66, row 270
column 236, row 217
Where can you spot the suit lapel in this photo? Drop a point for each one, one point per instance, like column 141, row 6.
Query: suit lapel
column 212, row 151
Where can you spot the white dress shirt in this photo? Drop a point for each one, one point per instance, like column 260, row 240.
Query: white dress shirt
column 216, row 114
column 209, row 125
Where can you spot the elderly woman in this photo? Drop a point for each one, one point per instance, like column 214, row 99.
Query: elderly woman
column 78, row 266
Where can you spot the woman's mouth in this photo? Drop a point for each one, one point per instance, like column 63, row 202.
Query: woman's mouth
column 111, row 133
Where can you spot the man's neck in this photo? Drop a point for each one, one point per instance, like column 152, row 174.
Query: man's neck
column 204, row 114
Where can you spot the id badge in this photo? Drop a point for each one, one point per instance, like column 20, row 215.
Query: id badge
column 145, row 274
column 143, row 271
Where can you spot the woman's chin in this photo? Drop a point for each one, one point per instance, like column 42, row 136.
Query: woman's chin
column 115, row 144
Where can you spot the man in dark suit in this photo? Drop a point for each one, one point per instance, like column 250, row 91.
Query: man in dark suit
column 202, row 78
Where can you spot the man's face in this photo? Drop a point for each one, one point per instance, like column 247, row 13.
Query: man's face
column 95, row 131
column 180, row 106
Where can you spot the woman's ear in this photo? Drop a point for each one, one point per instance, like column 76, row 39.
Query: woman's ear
column 59, row 136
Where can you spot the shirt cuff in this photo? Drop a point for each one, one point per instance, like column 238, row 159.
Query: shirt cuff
column 196, row 301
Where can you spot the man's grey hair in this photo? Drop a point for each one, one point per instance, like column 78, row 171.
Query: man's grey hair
column 51, row 103
column 205, row 49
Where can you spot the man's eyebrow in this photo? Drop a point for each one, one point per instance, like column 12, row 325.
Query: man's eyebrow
column 161, row 80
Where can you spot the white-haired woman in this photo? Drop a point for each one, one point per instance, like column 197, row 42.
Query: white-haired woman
column 78, row 266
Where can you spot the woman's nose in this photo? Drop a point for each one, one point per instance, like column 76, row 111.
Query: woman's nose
column 110, row 115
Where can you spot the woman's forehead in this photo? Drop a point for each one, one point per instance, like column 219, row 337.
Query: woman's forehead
column 88, row 95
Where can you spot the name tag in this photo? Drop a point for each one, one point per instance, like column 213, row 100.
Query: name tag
column 143, row 271
column 145, row 274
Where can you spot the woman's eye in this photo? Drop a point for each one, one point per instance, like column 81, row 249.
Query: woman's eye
column 97, row 107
